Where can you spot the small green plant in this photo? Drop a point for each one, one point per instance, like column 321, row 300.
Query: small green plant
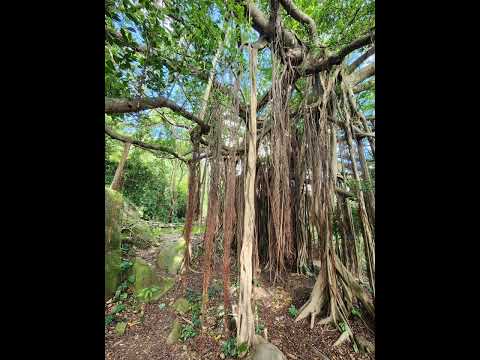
column 259, row 328
column 343, row 326
column 214, row 290
column 188, row 332
column 131, row 279
column 355, row 312
column 118, row 309
column 242, row 349
column 292, row 311
column 125, row 248
column 192, row 296
column 146, row 294
column 229, row 348
column 125, row 265
column 109, row 319
column 123, row 286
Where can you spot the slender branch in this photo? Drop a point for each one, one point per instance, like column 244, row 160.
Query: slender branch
column 114, row 135
column 358, row 61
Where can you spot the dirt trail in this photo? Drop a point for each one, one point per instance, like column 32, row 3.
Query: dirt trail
column 147, row 340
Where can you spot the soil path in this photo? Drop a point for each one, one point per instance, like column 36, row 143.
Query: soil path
column 147, row 339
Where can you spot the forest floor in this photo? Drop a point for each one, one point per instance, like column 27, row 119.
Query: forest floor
column 146, row 338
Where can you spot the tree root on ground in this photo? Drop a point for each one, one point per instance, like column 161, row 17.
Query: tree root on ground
column 344, row 337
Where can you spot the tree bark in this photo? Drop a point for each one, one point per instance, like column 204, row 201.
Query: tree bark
column 187, row 230
column 246, row 328
column 118, row 178
column 229, row 216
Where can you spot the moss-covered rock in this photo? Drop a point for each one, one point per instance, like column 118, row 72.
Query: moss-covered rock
column 136, row 230
column 165, row 285
column 267, row 351
column 170, row 258
column 144, row 275
column 113, row 218
column 181, row 305
column 174, row 333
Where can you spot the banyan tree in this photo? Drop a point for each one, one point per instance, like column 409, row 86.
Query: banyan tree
column 282, row 114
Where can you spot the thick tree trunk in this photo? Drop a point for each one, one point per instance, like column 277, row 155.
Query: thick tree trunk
column 246, row 328
column 118, row 178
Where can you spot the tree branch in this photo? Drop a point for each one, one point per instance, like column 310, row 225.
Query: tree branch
column 361, row 59
column 363, row 86
column 299, row 15
column 362, row 74
column 325, row 64
column 121, row 106
column 127, row 139
column 262, row 25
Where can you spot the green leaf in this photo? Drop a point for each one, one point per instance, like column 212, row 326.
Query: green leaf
column 118, row 308
column 242, row 348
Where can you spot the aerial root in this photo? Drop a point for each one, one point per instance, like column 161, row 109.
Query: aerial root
column 364, row 345
column 312, row 321
column 326, row 321
column 344, row 337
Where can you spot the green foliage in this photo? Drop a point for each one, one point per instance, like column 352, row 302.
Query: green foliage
column 188, row 332
column 118, row 309
column 229, row 348
column 192, row 296
column 214, row 290
column 259, row 328
column 198, row 229
column 292, row 311
column 109, row 319
column 146, row 294
column 242, row 349
column 355, row 312
column 147, row 182
column 343, row 326
column 125, row 265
